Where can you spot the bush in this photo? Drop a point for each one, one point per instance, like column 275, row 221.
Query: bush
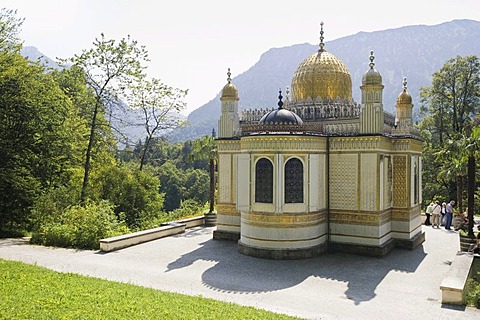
column 80, row 227
column 134, row 194
column 188, row 208
column 472, row 289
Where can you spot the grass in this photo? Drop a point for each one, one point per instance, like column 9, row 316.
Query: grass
column 472, row 290
column 32, row 292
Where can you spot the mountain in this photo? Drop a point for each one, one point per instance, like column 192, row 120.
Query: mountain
column 415, row 52
column 32, row 54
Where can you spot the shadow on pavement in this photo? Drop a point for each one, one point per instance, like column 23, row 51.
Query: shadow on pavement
column 237, row 273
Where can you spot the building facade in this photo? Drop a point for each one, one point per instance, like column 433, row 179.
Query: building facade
column 320, row 172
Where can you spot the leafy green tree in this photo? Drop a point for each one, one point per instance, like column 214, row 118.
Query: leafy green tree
column 206, row 148
column 159, row 105
column 108, row 67
column 10, row 26
column 450, row 105
column 38, row 134
column 134, row 193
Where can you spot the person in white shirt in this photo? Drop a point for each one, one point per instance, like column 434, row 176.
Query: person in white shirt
column 428, row 213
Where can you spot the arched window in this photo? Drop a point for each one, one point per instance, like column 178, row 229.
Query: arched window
column 415, row 182
column 294, row 181
column 264, row 181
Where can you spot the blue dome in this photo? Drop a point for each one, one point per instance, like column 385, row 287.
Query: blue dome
column 281, row 116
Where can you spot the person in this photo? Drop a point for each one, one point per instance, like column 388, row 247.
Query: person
column 442, row 214
column 475, row 248
column 436, row 214
column 449, row 214
column 461, row 221
column 428, row 212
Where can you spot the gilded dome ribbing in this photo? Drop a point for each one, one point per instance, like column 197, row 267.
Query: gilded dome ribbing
column 229, row 91
column 322, row 75
column 404, row 98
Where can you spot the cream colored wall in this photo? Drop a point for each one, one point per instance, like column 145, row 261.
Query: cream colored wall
column 343, row 182
column 225, row 170
column 228, row 217
column 369, row 175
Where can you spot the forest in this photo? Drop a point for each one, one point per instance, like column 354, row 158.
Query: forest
column 65, row 181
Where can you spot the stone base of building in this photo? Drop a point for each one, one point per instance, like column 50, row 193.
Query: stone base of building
column 366, row 250
column 226, row 235
column 410, row 243
column 282, row 254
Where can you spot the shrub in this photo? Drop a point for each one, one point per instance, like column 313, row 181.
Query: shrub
column 134, row 194
column 80, row 227
column 472, row 289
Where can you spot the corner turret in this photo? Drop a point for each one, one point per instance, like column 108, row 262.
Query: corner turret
column 229, row 123
column 371, row 113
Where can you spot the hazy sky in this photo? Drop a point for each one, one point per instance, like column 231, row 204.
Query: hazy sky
column 192, row 43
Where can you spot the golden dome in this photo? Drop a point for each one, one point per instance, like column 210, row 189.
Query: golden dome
column 372, row 76
column 404, row 98
column 322, row 75
column 229, row 91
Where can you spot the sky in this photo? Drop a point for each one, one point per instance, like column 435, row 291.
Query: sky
column 192, row 43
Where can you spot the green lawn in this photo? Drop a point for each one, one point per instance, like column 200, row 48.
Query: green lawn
column 32, row 292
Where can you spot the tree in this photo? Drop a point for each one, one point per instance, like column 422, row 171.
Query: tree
column 10, row 26
column 108, row 67
column 450, row 105
column 134, row 193
column 38, row 136
column 159, row 105
column 206, row 148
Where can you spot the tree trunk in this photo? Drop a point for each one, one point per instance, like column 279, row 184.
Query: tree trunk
column 144, row 152
column 212, row 185
column 471, row 193
column 83, row 195
column 460, row 192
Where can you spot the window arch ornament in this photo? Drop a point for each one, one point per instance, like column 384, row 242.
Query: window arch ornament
column 264, row 181
column 294, row 181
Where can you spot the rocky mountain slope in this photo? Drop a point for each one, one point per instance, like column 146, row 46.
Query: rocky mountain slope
column 415, row 52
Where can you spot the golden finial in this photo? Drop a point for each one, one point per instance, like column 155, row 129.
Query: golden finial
column 372, row 57
column 228, row 76
column 287, row 94
column 321, row 37
column 280, row 102
column 405, row 84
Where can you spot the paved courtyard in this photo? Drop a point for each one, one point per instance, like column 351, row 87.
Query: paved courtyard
column 403, row 285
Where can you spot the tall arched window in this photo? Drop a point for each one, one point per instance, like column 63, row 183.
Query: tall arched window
column 264, row 181
column 294, row 181
column 415, row 182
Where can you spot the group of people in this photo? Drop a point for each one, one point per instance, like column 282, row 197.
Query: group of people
column 441, row 214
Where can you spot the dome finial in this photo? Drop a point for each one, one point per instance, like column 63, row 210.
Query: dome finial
column 280, row 102
column 287, row 93
column 321, row 37
column 228, row 76
column 405, row 84
column 372, row 57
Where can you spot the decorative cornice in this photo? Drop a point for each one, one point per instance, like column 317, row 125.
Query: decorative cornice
column 284, row 143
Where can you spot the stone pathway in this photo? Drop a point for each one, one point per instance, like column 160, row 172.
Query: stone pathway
column 403, row 285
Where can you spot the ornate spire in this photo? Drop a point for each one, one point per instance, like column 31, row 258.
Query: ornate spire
column 280, row 102
column 405, row 84
column 228, row 76
column 287, row 94
column 372, row 57
column 321, row 37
